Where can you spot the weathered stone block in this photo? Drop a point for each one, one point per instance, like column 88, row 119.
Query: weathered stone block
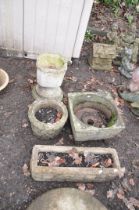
column 104, row 50
column 102, row 64
column 84, row 132
column 101, row 56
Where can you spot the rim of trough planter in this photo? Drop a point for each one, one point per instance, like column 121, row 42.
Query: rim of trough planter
column 5, row 78
column 103, row 94
column 46, row 173
column 38, row 104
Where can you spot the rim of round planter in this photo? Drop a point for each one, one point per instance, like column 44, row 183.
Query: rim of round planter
column 112, row 108
column 5, row 79
column 38, row 104
column 49, row 69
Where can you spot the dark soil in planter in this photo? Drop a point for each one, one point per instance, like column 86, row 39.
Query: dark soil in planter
column 48, row 115
column 95, row 114
column 91, row 116
column 74, row 159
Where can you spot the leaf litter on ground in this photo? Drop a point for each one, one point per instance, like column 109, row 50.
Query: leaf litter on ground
column 88, row 188
column 121, row 193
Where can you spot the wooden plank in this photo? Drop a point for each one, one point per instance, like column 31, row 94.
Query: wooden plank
column 82, row 27
column 73, row 25
column 51, row 26
column 29, row 24
column 11, row 22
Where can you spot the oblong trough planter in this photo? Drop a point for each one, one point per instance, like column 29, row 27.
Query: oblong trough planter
column 98, row 100
column 47, row 130
column 49, row 73
column 4, row 79
column 74, row 174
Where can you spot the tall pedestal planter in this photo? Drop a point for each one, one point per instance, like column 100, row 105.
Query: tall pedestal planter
column 83, row 174
column 51, row 70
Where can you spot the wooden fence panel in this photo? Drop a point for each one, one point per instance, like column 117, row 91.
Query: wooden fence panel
column 11, row 24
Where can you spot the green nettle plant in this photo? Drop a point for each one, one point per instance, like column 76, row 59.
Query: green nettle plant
column 115, row 3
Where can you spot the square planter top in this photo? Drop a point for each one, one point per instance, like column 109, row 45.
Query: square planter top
column 85, row 132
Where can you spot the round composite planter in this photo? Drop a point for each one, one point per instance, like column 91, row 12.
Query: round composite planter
column 47, row 130
column 4, row 79
column 51, row 69
column 66, row 198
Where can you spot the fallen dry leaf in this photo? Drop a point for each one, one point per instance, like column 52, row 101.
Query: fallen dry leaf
column 78, row 160
column 81, row 186
column 30, row 81
column 95, row 165
column 126, row 185
column 56, row 162
column 134, row 201
column 108, row 162
column 72, row 78
column 25, row 170
column 120, row 194
column 131, row 182
column 128, row 204
column 24, row 125
column 89, row 186
column 110, row 194
column 75, row 155
column 58, row 117
column 119, row 101
column 60, row 142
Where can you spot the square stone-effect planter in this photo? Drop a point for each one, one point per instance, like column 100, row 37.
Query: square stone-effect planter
column 85, row 132
column 74, row 174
